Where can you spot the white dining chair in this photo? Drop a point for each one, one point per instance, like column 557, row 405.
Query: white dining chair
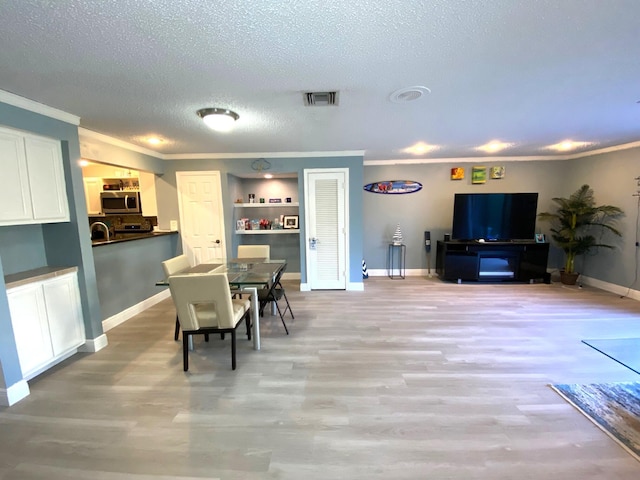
column 254, row 251
column 205, row 306
column 171, row 267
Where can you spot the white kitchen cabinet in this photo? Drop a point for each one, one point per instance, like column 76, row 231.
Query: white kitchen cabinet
column 47, row 322
column 30, row 327
column 33, row 177
column 92, row 189
column 15, row 197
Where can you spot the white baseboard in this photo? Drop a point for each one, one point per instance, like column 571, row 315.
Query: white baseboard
column 95, row 344
column 410, row 272
column 134, row 310
column 305, row 287
column 609, row 287
column 14, row 393
column 351, row 286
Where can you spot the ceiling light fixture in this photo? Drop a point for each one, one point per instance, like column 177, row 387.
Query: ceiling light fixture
column 154, row 140
column 494, row 146
column 218, row 119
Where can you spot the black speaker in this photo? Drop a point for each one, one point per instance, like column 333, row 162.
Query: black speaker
column 427, row 241
column 447, row 237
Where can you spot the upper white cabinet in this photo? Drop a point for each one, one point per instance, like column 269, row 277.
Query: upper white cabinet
column 34, row 189
column 92, row 189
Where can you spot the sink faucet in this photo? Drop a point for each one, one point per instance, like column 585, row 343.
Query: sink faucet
column 100, row 224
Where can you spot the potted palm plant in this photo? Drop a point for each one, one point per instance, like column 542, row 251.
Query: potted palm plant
column 573, row 224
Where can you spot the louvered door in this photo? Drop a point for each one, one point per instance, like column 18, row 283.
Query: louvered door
column 325, row 193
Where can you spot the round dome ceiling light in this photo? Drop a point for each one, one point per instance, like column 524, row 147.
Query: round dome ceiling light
column 409, row 94
column 218, row 119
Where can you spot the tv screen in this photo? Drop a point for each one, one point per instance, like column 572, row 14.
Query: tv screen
column 494, row 216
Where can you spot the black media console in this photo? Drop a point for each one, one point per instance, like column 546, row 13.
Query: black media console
column 492, row 261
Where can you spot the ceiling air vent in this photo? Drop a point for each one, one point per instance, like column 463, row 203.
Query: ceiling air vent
column 320, row 99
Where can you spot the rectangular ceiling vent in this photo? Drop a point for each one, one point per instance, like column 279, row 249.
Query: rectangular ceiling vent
column 320, row 99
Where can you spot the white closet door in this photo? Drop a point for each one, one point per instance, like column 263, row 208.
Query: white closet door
column 326, row 232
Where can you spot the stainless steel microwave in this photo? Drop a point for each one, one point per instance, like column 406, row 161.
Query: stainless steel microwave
column 120, row 202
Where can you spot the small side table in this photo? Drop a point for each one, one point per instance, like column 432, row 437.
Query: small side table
column 397, row 254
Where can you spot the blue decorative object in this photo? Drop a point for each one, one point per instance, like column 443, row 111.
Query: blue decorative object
column 394, row 186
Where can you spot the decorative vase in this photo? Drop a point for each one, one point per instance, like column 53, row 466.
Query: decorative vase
column 397, row 236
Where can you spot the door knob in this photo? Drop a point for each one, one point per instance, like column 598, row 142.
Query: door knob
column 218, row 241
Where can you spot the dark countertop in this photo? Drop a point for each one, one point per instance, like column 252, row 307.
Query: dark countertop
column 36, row 275
column 128, row 237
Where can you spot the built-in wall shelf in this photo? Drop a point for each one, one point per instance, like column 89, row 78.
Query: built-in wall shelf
column 263, row 205
column 268, row 232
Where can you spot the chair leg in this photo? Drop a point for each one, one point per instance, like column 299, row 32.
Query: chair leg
column 282, row 318
column 247, row 321
column 206, row 337
column 233, row 349
column 185, row 350
column 176, row 335
column 288, row 305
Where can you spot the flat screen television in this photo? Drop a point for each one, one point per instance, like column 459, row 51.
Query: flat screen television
column 494, row 216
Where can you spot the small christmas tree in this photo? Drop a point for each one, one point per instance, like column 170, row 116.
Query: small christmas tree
column 397, row 237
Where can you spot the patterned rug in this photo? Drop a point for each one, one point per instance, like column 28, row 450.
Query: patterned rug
column 614, row 407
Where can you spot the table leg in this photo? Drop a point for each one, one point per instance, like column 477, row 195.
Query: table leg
column 255, row 315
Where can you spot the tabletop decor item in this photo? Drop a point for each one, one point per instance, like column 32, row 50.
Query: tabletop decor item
column 394, row 186
column 290, row 221
column 397, row 236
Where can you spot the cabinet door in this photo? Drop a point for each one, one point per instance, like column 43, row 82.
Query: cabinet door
column 15, row 198
column 92, row 189
column 30, row 327
column 46, row 179
column 64, row 313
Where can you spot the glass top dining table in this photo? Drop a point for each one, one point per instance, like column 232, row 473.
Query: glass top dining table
column 245, row 274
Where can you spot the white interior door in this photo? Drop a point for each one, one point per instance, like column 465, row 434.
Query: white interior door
column 326, row 214
column 201, row 216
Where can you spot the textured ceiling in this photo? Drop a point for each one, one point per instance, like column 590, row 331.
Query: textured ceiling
column 531, row 73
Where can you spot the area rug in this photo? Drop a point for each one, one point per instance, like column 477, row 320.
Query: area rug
column 625, row 351
column 614, row 407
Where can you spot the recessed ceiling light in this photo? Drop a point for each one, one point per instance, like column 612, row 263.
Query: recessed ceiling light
column 218, row 119
column 268, row 175
column 154, row 140
column 494, row 146
column 567, row 145
column 420, row 148
column 84, row 163
column 409, row 94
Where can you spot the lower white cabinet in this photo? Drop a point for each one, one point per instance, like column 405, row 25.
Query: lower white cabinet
column 47, row 322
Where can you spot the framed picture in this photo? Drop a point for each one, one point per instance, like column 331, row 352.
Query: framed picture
column 497, row 172
column 539, row 237
column 240, row 224
column 478, row 174
column 457, row 173
column 290, row 221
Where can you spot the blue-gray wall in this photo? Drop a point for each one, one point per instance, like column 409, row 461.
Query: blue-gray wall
column 127, row 271
column 611, row 175
column 22, row 248
column 168, row 200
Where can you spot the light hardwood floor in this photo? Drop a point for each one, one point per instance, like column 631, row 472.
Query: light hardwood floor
column 410, row 379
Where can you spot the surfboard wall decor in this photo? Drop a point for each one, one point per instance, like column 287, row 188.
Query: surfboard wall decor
column 394, row 186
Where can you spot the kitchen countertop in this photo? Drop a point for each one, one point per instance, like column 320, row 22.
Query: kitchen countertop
column 128, row 237
column 36, row 275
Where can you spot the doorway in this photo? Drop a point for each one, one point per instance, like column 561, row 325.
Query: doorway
column 326, row 227
column 201, row 216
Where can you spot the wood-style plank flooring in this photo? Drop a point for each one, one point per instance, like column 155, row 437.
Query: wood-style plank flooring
column 410, row 379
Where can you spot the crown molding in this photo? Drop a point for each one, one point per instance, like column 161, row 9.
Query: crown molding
column 208, row 156
column 530, row 158
column 35, row 107
column 83, row 132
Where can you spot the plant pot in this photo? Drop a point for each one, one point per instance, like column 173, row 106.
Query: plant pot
column 569, row 278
